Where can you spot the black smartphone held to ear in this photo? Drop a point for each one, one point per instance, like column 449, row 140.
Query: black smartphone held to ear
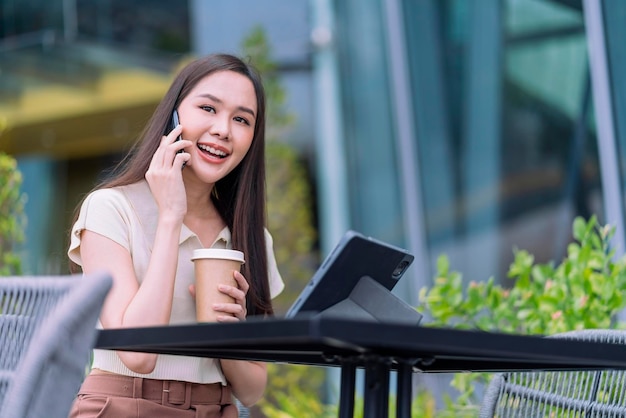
column 175, row 122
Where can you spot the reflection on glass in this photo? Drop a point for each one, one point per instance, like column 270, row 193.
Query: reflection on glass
column 508, row 158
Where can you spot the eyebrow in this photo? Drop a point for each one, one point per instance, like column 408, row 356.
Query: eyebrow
column 215, row 99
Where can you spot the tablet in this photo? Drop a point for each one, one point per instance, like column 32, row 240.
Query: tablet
column 355, row 280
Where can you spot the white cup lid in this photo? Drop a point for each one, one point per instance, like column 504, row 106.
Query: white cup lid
column 219, row 253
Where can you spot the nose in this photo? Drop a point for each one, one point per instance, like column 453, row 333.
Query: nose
column 220, row 127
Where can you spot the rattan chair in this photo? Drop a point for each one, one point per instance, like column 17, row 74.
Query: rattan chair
column 243, row 411
column 581, row 394
column 47, row 331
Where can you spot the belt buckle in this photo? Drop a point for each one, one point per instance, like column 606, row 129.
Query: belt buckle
column 169, row 386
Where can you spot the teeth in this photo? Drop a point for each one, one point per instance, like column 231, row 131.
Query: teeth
column 212, row 150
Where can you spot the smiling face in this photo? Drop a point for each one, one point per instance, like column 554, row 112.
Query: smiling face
column 218, row 116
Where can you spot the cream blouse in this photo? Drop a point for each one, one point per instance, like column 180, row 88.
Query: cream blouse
column 128, row 216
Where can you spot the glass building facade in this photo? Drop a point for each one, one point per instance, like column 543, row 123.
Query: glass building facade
column 457, row 127
column 469, row 127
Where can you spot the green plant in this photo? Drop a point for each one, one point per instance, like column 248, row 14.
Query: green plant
column 585, row 290
column 279, row 119
column 293, row 393
column 298, row 401
column 12, row 218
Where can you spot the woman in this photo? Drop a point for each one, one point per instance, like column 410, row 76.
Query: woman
column 201, row 184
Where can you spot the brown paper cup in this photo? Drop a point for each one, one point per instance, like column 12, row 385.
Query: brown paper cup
column 214, row 266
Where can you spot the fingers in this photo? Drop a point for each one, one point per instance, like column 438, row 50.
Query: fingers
column 169, row 139
column 230, row 311
column 227, row 318
column 171, row 150
column 174, row 134
column 237, row 294
column 181, row 158
column 237, row 311
column 241, row 281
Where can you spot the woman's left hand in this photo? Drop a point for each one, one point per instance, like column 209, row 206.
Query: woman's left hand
column 233, row 311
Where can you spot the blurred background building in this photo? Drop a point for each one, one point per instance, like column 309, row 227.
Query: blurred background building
column 451, row 127
column 448, row 126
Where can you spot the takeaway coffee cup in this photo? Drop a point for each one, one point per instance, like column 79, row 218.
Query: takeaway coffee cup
column 214, row 266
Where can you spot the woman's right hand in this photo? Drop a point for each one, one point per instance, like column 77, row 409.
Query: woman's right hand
column 164, row 176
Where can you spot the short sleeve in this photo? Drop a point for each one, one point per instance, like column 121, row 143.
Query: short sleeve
column 104, row 212
column 276, row 282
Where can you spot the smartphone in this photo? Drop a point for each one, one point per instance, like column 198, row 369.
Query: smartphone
column 174, row 123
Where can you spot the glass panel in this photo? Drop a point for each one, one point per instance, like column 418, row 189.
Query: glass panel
column 370, row 148
column 549, row 158
column 18, row 17
column 502, row 111
column 146, row 25
column 614, row 18
column 157, row 25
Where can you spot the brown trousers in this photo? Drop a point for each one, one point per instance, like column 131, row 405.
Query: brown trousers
column 117, row 396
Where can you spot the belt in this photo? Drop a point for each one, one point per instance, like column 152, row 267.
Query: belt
column 172, row 393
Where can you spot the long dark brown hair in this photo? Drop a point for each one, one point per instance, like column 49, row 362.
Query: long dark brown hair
column 239, row 197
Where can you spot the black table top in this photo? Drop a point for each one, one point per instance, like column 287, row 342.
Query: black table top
column 334, row 341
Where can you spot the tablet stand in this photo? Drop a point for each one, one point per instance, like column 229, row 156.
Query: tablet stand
column 369, row 300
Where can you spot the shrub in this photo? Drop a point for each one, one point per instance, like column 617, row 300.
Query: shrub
column 12, row 218
column 585, row 290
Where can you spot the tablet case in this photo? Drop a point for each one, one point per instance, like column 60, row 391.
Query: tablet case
column 355, row 281
column 370, row 301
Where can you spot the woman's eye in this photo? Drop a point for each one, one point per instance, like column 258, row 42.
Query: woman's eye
column 208, row 108
column 242, row 120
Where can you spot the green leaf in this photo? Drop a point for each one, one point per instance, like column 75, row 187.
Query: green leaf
column 12, row 217
column 443, row 265
column 579, row 228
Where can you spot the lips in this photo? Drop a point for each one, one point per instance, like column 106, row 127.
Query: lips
column 213, row 151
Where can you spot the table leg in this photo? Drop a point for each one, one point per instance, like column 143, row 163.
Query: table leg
column 405, row 390
column 376, row 393
column 347, row 389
